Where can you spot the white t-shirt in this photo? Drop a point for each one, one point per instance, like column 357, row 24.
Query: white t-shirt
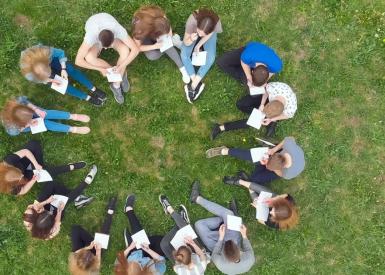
column 102, row 21
column 275, row 89
column 198, row 269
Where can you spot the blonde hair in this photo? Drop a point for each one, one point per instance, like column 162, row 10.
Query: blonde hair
column 16, row 114
column 273, row 108
column 83, row 262
column 10, row 178
column 32, row 57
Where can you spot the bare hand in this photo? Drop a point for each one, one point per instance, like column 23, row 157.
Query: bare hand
column 243, row 231
column 103, row 72
column 61, row 206
column 33, row 122
column 194, row 36
column 40, row 113
column 266, row 121
column 264, row 161
column 38, row 166
column 120, row 69
column 131, row 246
column 145, row 246
column 64, row 74
column 254, row 203
column 188, row 240
column 57, row 82
column 261, row 108
column 222, row 231
column 97, row 246
column 50, row 199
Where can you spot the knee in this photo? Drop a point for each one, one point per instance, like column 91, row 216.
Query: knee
column 200, row 226
column 164, row 243
column 152, row 56
column 90, row 57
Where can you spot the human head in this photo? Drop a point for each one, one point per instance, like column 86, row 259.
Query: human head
column 83, row 262
column 206, row 21
column 284, row 213
column 16, row 114
column 36, row 61
column 231, row 251
column 183, row 255
column 106, row 37
column 259, row 75
column 273, row 108
column 276, row 162
column 149, row 22
column 10, row 177
column 130, row 268
column 42, row 223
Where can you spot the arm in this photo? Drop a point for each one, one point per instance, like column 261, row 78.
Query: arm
column 276, row 148
column 24, row 190
column 263, row 101
column 151, row 252
column 280, row 117
column 247, row 71
column 28, row 154
column 134, row 51
column 145, row 48
column 81, row 61
column 198, row 250
column 189, row 38
column 128, row 249
column 203, row 41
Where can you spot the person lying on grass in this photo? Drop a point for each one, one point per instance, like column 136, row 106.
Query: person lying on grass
column 19, row 115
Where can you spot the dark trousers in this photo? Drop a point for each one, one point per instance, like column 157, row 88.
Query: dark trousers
column 230, row 63
column 36, row 149
column 54, row 188
column 261, row 175
column 135, row 228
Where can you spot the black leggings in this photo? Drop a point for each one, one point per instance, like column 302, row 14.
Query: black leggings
column 230, row 63
column 136, row 227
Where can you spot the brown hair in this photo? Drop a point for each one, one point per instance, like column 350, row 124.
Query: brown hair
column 183, row 255
column 10, row 178
column 106, row 37
column 206, row 20
column 231, row 251
column 276, row 162
column 286, row 214
column 130, row 268
column 273, row 108
column 17, row 114
column 259, row 75
column 83, row 262
column 33, row 57
column 42, row 223
column 149, row 22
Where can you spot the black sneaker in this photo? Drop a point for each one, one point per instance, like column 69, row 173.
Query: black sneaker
column 99, row 94
column 233, row 207
column 231, row 180
column 183, row 212
column 95, row 101
column 164, row 202
column 270, row 130
column 112, row 203
column 194, row 192
column 243, row 176
column 78, row 165
column 215, row 131
column 198, row 90
column 82, row 201
column 130, row 200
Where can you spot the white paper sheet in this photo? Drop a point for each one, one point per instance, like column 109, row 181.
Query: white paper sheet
column 262, row 208
column 42, row 175
column 255, row 119
column 39, row 127
column 140, row 238
column 113, row 76
column 234, row 223
column 62, row 87
column 254, row 90
column 199, row 58
column 57, row 199
column 182, row 233
column 257, row 154
column 166, row 41
column 102, row 239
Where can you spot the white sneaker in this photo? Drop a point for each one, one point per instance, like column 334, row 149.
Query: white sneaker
column 176, row 41
column 91, row 175
column 185, row 77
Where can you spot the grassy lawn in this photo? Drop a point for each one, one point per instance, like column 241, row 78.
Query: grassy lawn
column 333, row 54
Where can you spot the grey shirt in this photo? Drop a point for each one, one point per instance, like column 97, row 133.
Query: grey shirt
column 297, row 158
column 244, row 265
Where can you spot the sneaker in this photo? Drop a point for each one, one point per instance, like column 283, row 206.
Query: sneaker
column 198, row 90
column 242, row 175
column 130, row 200
column 112, row 203
column 176, row 41
column 91, row 174
column 117, row 94
column 270, row 129
column 82, row 201
column 194, row 192
column 214, row 152
column 164, row 202
column 231, row 180
column 95, row 101
column 99, row 94
column 215, row 131
column 233, row 207
column 183, row 212
column 189, row 93
column 125, row 85
column 78, row 165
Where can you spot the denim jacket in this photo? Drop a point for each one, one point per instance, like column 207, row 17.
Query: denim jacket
column 14, row 130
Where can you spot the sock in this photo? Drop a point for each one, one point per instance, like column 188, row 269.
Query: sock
column 93, row 89
column 186, row 78
column 116, row 85
column 88, row 98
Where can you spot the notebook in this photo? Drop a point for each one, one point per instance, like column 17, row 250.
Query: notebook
column 57, row 199
column 257, row 154
column 255, row 119
column 62, row 87
column 39, row 127
column 42, row 175
column 182, row 233
column 262, row 208
column 140, row 238
column 254, row 90
column 102, row 239
column 234, row 223
column 199, row 58
column 112, row 76
column 166, row 42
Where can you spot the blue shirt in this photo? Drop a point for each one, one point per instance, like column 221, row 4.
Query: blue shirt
column 255, row 52
column 158, row 268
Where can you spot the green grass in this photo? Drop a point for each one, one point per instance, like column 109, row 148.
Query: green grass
column 332, row 58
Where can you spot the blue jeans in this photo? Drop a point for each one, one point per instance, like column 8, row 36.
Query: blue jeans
column 210, row 46
column 52, row 125
column 75, row 74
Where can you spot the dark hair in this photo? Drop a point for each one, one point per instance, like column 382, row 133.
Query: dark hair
column 42, row 223
column 206, row 20
column 149, row 22
column 276, row 162
column 259, row 75
column 183, row 255
column 106, row 37
column 231, row 251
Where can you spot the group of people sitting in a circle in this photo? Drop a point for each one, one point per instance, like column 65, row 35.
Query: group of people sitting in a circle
column 214, row 239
